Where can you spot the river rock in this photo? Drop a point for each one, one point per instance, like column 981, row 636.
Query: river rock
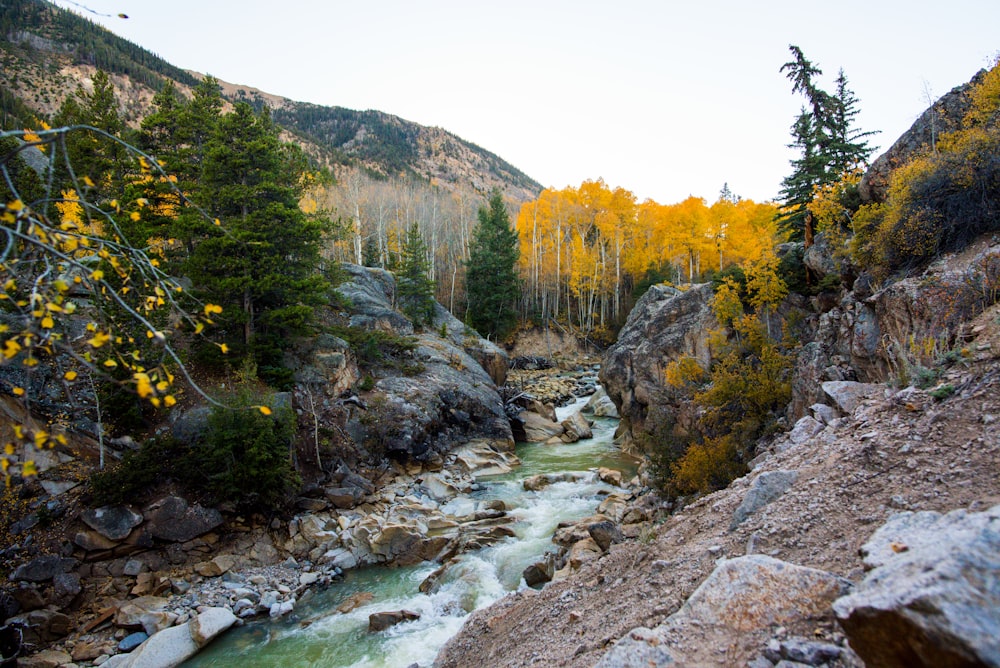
column 47, row 658
column 173, row 519
column 172, row 646
column 538, row 428
column 933, row 597
column 575, row 427
column 380, row 621
column 539, row 572
column 216, row 566
column 601, row 405
column 112, row 522
column 42, row 626
column 764, row 489
column 485, row 457
column 610, row 476
column 355, row 601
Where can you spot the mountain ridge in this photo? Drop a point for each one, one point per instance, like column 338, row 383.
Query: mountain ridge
column 47, row 52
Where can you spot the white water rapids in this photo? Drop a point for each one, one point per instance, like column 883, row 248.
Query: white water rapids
column 334, row 640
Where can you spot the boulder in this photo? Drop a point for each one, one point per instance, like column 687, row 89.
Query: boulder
column 445, row 398
column 575, row 427
column 380, row 621
column 764, row 489
column 539, row 572
column 173, row 646
column 41, row 569
column 848, row 395
column 216, row 566
column 172, row 519
column 933, row 596
column 600, row 405
column 665, row 325
column 805, row 428
column 92, row 541
column 538, row 428
column 605, row 534
column 113, row 522
column 743, row 597
column 47, row 658
column 344, row 498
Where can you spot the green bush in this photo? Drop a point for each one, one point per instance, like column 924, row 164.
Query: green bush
column 138, row 472
column 245, row 456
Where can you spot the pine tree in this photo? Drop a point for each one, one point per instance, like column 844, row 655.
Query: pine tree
column 262, row 262
column 492, row 283
column 829, row 145
column 416, row 289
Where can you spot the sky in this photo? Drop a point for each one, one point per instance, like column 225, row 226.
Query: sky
column 666, row 99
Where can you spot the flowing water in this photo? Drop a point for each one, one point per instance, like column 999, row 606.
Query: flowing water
column 319, row 637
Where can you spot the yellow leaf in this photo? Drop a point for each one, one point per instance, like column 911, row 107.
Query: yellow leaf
column 224, row 348
column 9, row 448
column 70, row 375
column 18, row 391
column 111, row 364
column 218, row 222
column 99, row 339
column 212, row 308
column 143, row 386
column 29, row 468
column 40, row 437
column 11, row 348
column 135, row 215
column 97, row 275
column 48, row 323
column 169, row 400
column 142, row 201
column 30, row 361
column 264, row 409
column 87, row 181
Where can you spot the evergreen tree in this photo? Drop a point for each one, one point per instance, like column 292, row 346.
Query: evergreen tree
column 416, row 289
column 492, row 283
column 261, row 263
column 92, row 155
column 829, row 145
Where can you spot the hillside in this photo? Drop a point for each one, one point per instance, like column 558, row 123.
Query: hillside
column 48, row 52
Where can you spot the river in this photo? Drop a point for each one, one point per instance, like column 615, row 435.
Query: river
column 319, row 637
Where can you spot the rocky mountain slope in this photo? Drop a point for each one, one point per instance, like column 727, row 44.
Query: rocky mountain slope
column 864, row 534
column 814, row 497
column 47, row 52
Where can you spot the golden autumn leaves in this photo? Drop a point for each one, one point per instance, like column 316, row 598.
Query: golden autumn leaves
column 78, row 302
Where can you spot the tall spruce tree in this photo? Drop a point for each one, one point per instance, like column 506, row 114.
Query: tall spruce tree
column 416, row 289
column 261, row 263
column 492, row 283
column 828, row 143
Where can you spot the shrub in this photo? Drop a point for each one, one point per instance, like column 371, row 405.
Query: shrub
column 138, row 472
column 245, row 455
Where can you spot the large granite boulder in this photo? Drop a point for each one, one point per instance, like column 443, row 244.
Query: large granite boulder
column 665, row 325
column 444, row 398
column 933, row 596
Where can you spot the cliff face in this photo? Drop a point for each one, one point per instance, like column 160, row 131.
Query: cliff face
column 443, row 398
column 665, row 325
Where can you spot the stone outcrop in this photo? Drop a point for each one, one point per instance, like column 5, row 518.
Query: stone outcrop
column 665, row 325
column 933, row 596
column 746, row 596
column 945, row 115
column 448, row 398
column 174, row 645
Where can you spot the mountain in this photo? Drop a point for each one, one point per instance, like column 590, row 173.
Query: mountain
column 47, row 52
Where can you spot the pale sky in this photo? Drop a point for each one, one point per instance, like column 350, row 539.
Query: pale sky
column 666, row 99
